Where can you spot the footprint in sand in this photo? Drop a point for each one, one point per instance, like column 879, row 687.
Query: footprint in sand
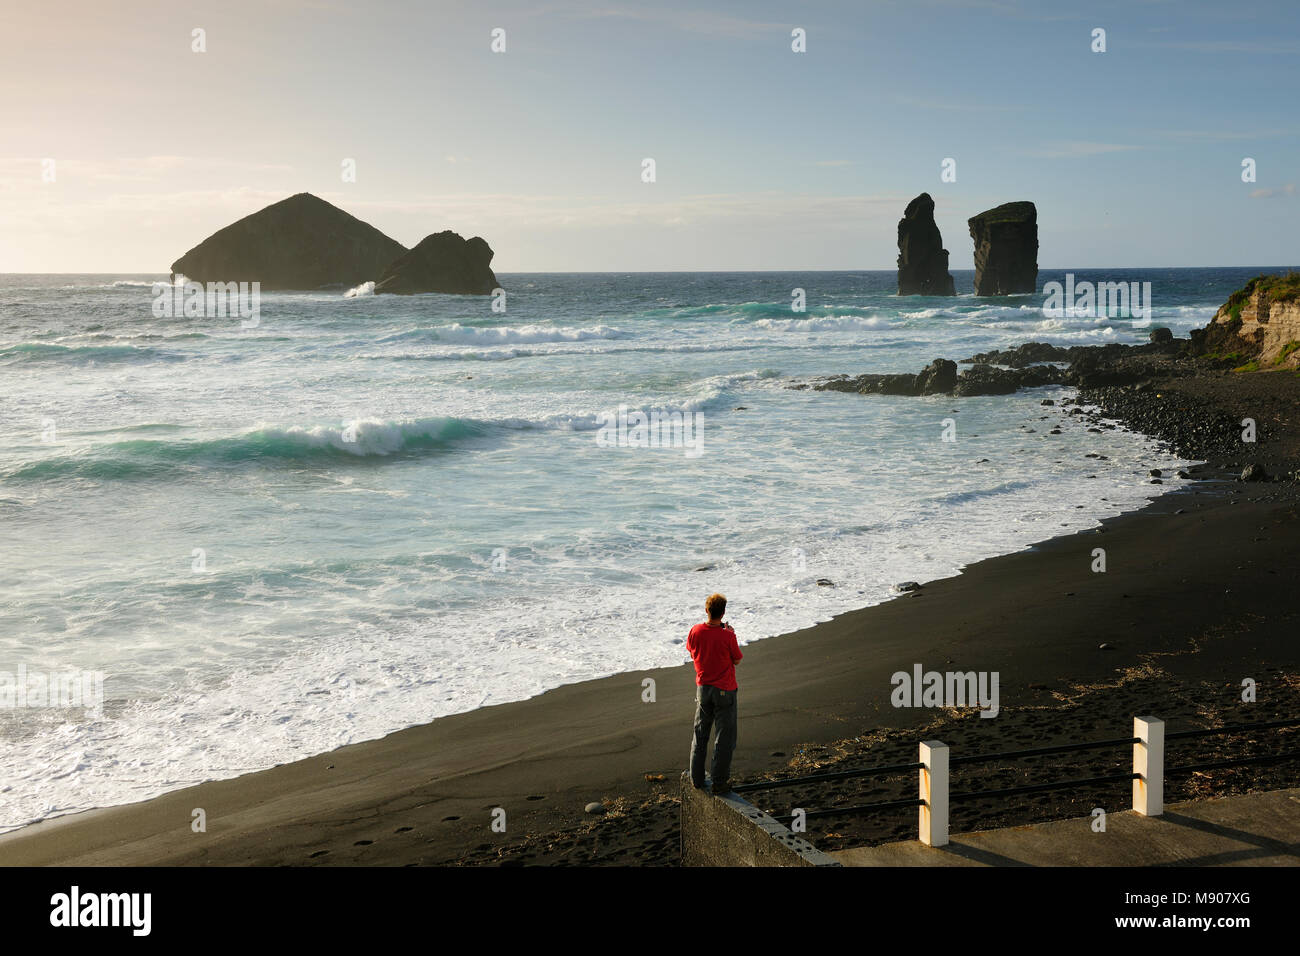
column 363, row 843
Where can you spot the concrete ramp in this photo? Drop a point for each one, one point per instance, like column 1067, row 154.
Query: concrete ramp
column 1253, row 829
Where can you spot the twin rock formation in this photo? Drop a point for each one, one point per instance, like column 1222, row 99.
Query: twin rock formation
column 1006, row 250
column 305, row 243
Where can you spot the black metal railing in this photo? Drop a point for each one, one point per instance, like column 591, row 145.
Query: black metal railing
column 829, row 777
column 821, row 778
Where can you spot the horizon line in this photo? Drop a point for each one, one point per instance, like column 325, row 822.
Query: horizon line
column 595, row 272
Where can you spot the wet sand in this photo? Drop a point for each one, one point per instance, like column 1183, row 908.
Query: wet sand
column 1220, row 573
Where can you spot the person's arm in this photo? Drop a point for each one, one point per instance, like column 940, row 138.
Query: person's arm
column 736, row 656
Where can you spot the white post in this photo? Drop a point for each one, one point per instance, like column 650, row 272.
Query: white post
column 934, row 793
column 1149, row 762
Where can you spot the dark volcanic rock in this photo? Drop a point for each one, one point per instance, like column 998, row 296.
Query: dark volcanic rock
column 1023, row 355
column 298, row 243
column 1160, row 335
column 1116, row 364
column 1192, row 427
column 991, row 380
column 922, row 259
column 442, row 262
column 1006, row 249
column 939, row 376
column 1091, row 356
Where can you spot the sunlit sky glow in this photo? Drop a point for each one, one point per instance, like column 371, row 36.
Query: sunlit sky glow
column 766, row 159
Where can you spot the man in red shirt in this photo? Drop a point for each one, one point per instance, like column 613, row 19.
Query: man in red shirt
column 714, row 649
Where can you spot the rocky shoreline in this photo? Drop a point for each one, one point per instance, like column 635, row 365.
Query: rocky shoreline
column 1203, row 403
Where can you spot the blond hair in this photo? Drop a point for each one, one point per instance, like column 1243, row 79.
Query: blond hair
column 715, row 605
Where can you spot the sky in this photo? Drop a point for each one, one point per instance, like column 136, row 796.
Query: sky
column 765, row 158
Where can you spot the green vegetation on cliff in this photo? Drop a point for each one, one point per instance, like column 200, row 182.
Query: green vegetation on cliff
column 1280, row 288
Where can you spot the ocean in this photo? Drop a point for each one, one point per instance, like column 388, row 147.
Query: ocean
column 366, row 512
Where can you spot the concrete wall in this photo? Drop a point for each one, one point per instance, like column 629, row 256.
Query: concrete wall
column 730, row 831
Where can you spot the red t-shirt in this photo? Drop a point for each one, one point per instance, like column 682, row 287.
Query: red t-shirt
column 715, row 652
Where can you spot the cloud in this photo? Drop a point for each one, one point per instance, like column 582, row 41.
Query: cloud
column 1070, row 149
column 953, row 106
column 23, row 170
column 1224, row 46
column 685, row 20
column 506, row 210
column 1223, row 136
column 833, row 162
column 1287, row 190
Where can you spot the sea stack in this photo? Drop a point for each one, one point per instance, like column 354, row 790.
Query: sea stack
column 301, row 242
column 442, row 262
column 922, row 259
column 1006, row 249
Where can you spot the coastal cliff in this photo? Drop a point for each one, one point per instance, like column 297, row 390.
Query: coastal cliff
column 922, row 259
column 1258, row 325
column 302, row 242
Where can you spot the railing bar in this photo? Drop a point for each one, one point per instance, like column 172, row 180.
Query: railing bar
column 863, row 808
column 1032, row 752
column 819, row 777
column 1234, row 729
column 1038, row 787
column 1214, row 764
column 1057, row 749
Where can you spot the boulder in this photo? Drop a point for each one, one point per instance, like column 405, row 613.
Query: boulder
column 301, row 242
column 991, row 380
column 1023, row 355
column 442, row 262
column 1006, row 249
column 939, row 376
column 922, row 259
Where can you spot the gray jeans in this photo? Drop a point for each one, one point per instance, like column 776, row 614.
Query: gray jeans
column 713, row 706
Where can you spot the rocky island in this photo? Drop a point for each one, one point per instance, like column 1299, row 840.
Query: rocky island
column 442, row 262
column 305, row 243
column 922, row 259
column 1006, row 249
column 302, row 242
